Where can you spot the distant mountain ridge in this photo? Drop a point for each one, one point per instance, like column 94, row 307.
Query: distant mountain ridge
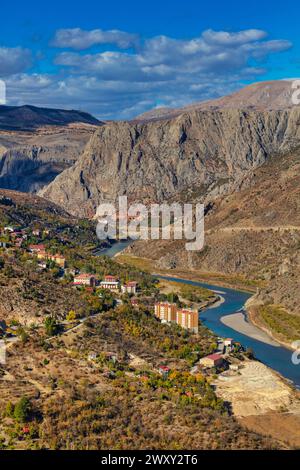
column 263, row 96
column 27, row 117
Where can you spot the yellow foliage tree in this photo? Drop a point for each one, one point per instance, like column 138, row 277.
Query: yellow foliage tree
column 71, row 315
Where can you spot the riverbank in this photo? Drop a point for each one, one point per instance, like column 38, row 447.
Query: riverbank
column 253, row 315
column 262, row 395
column 262, row 401
column 238, row 322
column 258, row 331
column 148, row 265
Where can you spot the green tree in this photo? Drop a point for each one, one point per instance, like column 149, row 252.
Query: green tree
column 51, row 326
column 22, row 410
column 9, row 410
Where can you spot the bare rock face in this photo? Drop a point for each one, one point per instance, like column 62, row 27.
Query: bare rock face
column 200, row 153
column 30, row 160
column 254, row 233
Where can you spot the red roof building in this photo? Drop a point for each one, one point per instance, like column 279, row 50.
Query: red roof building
column 84, row 279
column 212, row 360
column 110, row 278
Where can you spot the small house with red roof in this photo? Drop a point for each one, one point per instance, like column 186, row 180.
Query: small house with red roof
column 213, row 360
column 164, row 370
column 84, row 279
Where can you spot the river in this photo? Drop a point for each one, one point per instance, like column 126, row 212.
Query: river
column 276, row 357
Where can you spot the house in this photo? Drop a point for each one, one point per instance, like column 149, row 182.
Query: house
column 36, row 233
column 134, row 302
column 228, row 342
column 18, row 242
column 37, row 248
column 213, row 360
column 42, row 254
column 164, row 370
column 84, row 279
column 26, row 430
column 111, row 283
column 129, row 287
column 58, row 259
column 110, row 278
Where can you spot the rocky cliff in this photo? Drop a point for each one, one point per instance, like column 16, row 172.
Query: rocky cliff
column 29, row 160
column 199, row 154
column 36, row 144
column 253, row 234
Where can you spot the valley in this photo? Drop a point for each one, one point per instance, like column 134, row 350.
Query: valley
column 86, row 351
column 90, row 368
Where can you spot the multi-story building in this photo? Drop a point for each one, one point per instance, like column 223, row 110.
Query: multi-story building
column 84, row 279
column 188, row 318
column 129, row 287
column 165, row 311
column 59, row 259
column 111, row 283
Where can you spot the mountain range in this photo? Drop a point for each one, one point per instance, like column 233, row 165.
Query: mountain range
column 199, row 151
column 238, row 154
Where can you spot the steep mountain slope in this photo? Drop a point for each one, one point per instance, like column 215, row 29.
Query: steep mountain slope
column 29, row 160
column 262, row 95
column 205, row 153
column 36, row 144
column 252, row 234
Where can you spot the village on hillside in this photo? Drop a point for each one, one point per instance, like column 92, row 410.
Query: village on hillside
column 35, row 242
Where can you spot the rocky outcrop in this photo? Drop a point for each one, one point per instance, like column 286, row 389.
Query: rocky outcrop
column 31, row 160
column 199, row 155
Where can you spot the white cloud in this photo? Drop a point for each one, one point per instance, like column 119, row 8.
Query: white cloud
column 160, row 71
column 14, row 60
column 80, row 39
column 162, row 57
column 232, row 39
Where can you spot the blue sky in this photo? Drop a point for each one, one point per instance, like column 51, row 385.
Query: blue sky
column 118, row 59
